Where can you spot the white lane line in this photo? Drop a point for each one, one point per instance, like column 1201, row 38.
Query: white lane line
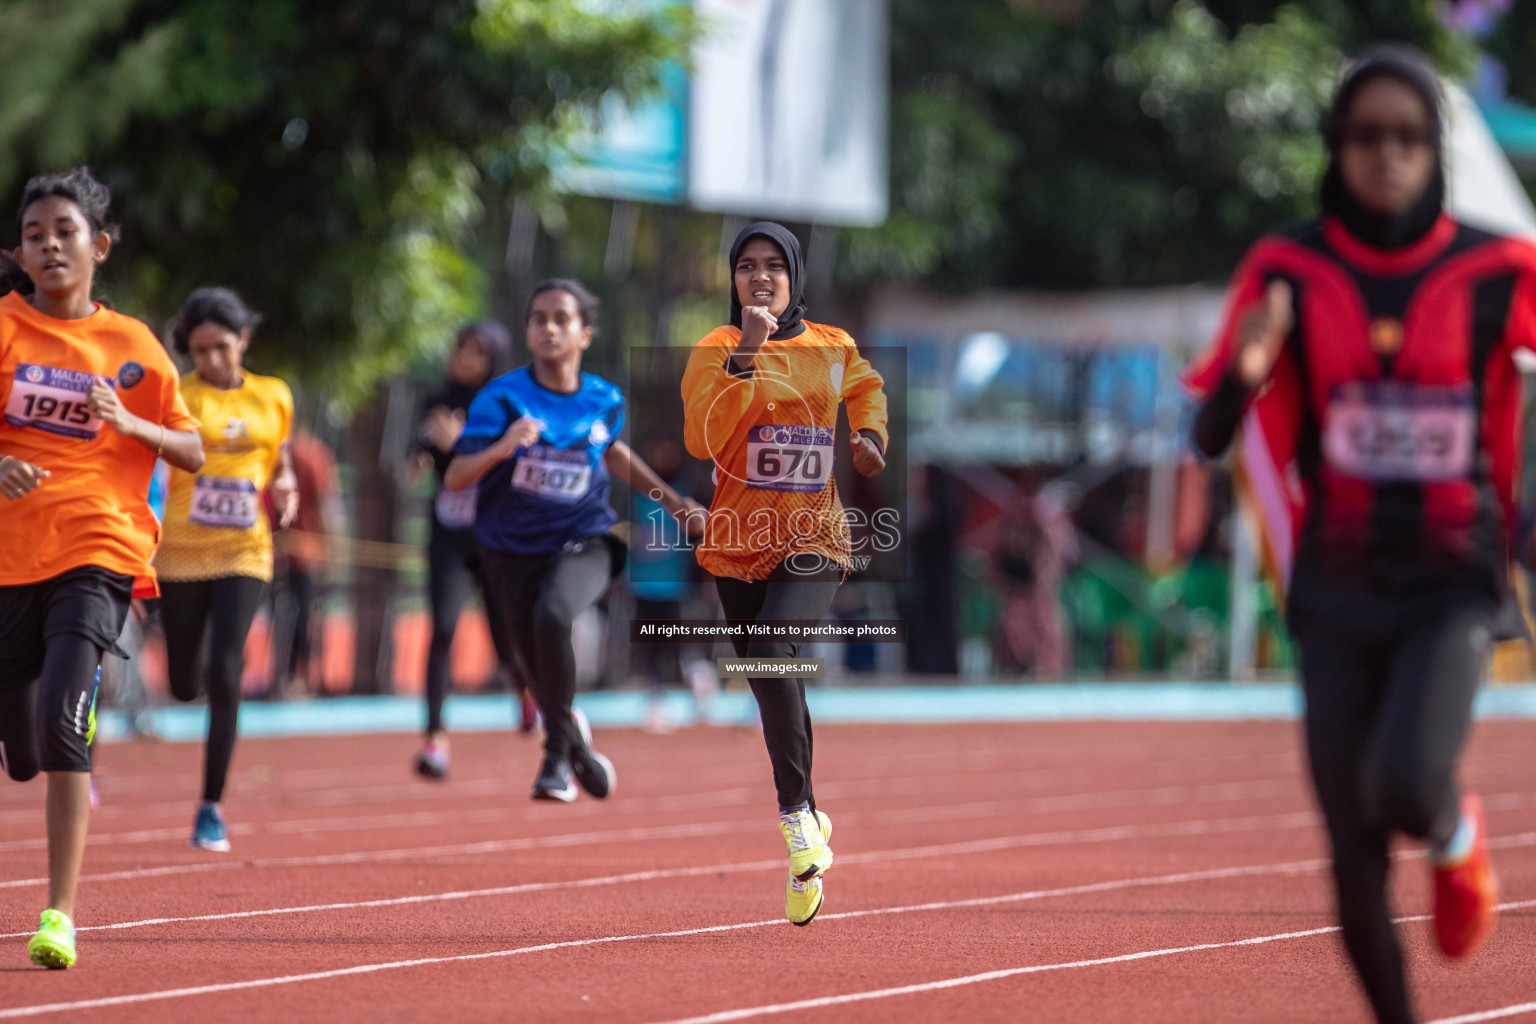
column 27, row 1011
column 715, row 1018
column 1473, row 1018
column 1219, row 826
column 426, row 852
column 724, row 1016
column 1288, row 867
column 1160, row 796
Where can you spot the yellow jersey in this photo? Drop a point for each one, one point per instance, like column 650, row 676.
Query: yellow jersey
column 771, row 436
column 214, row 522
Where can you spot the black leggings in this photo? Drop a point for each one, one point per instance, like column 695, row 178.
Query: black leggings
column 220, row 610
column 48, row 734
column 539, row 596
column 784, row 595
column 1389, row 682
column 52, row 635
column 450, row 581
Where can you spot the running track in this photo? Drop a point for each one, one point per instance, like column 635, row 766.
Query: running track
column 1082, row 871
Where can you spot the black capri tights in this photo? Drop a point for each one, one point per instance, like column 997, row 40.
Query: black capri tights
column 1389, row 686
column 43, row 724
column 52, row 635
column 539, row 596
column 219, row 612
column 784, row 595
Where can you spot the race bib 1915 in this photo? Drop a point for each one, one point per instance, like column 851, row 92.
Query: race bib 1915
column 1390, row 430
column 53, row 400
column 551, row 473
column 789, row 457
column 226, row 503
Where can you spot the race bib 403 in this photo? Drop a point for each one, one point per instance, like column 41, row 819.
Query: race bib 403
column 227, row 503
column 1393, row 431
column 53, row 400
column 789, row 457
column 551, row 473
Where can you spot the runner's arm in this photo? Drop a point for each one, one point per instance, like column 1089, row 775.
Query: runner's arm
column 714, row 401
column 285, row 487
column 493, row 431
column 466, row 469
column 630, row 469
column 1219, row 416
column 1248, row 344
column 864, row 394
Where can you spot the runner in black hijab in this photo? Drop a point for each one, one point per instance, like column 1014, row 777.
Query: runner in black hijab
column 792, row 320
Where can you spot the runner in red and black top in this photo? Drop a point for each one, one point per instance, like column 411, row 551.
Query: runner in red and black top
column 1368, row 357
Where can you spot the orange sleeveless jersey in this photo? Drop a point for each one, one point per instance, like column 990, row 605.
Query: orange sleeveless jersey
column 772, row 437
column 93, row 508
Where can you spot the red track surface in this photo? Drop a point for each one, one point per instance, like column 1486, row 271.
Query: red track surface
column 1075, row 849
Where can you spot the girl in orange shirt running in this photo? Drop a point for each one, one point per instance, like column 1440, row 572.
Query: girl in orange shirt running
column 760, row 399
column 90, row 399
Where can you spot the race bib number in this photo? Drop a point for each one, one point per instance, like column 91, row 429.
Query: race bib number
column 226, row 503
column 53, row 400
column 789, row 457
column 550, row 473
column 456, row 509
column 1387, row 430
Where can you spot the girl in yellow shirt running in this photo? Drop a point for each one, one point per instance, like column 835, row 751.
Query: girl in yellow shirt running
column 215, row 559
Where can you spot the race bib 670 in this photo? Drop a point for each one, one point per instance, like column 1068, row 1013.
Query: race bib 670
column 789, row 457
column 53, row 400
column 1396, row 431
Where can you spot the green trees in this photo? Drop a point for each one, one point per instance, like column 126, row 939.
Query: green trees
column 330, row 160
column 1108, row 142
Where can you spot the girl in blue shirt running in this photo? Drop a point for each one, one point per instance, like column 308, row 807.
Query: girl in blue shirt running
column 542, row 443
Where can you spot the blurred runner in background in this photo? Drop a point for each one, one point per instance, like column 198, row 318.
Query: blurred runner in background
column 215, row 559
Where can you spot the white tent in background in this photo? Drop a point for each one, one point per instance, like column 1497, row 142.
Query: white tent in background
column 1484, row 190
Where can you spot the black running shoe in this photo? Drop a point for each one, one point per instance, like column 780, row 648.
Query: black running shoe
column 555, row 781
column 593, row 771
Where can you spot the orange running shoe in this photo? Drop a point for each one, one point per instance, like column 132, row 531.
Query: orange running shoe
column 1466, row 891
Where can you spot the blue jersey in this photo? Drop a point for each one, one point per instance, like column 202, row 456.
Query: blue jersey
column 556, row 490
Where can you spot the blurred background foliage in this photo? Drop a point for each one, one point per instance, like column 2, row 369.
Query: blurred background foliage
column 333, row 160
column 352, row 166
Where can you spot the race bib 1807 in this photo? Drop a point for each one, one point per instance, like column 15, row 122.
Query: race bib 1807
column 789, row 457
column 551, row 473
column 48, row 398
column 1390, row 430
column 227, row 503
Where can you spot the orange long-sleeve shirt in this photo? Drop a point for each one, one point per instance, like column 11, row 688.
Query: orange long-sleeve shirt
column 771, row 436
column 93, row 509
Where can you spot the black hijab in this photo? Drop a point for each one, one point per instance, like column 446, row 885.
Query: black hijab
column 1386, row 232
column 792, row 320
column 496, row 340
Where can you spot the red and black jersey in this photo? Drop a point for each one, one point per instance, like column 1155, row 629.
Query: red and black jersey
column 1391, row 418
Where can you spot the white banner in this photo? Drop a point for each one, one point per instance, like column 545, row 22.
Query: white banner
column 788, row 110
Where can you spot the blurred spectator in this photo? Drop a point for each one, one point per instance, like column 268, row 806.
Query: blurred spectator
column 662, row 580
column 303, row 551
column 1035, row 545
